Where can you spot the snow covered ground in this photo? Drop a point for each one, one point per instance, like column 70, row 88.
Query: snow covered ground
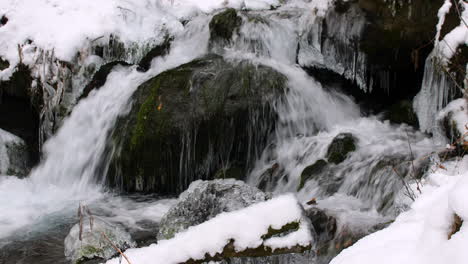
column 246, row 227
column 422, row 234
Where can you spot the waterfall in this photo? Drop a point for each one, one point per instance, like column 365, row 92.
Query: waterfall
column 364, row 189
column 67, row 175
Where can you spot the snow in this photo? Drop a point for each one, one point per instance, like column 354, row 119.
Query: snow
column 421, row 235
column 455, row 38
column 246, row 227
column 459, row 111
column 67, row 26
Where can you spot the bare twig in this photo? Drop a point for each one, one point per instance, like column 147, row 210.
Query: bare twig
column 115, row 247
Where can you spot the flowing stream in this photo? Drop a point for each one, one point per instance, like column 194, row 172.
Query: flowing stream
column 42, row 207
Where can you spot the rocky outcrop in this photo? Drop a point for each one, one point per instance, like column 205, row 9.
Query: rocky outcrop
column 380, row 47
column 204, row 200
column 189, row 122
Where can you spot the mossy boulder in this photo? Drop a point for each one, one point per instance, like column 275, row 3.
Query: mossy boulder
column 188, row 122
column 318, row 167
column 340, row 147
column 402, row 112
column 223, row 25
column 90, row 241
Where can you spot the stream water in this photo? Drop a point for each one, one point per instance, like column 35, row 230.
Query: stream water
column 38, row 211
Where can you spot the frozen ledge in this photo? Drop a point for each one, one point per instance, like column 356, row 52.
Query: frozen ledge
column 277, row 226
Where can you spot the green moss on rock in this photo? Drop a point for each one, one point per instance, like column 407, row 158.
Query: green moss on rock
column 402, row 112
column 310, row 171
column 224, row 24
column 187, row 122
column 340, row 147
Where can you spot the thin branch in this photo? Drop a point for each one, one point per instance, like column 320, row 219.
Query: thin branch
column 115, row 247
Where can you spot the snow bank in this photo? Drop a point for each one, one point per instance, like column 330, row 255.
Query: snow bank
column 243, row 229
column 458, row 36
column 67, row 26
column 421, row 235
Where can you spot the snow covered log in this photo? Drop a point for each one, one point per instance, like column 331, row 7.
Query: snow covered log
column 277, row 226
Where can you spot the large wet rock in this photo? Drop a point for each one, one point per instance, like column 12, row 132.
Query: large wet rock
column 335, row 232
column 223, row 25
column 189, row 122
column 340, row 147
column 204, row 200
column 310, row 171
column 14, row 155
column 402, row 112
column 94, row 243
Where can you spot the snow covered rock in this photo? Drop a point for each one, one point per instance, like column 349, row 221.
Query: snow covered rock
column 427, row 233
column 454, row 119
column 93, row 243
column 276, row 226
column 14, row 156
column 204, row 200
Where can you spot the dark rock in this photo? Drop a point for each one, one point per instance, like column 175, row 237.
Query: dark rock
column 223, row 25
column 335, row 234
column 339, row 148
column 100, row 77
column 3, row 20
column 19, row 110
column 270, row 178
column 3, row 64
column 188, row 122
column 310, row 171
column 160, row 50
column 231, row 172
column 402, row 112
column 19, row 83
column 325, row 227
column 395, row 40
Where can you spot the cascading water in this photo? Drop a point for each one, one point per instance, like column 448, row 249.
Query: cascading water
column 362, row 189
column 73, row 155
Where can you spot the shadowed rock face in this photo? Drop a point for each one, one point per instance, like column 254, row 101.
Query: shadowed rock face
column 223, row 25
column 19, row 109
column 189, row 122
column 388, row 41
